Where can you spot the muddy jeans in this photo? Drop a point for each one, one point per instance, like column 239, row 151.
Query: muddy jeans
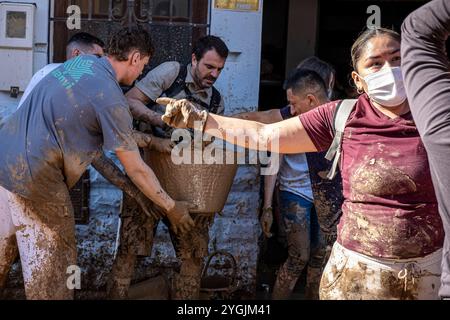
column 45, row 238
column 136, row 239
column 304, row 240
column 353, row 276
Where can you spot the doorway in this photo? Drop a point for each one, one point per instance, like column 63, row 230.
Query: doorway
column 340, row 23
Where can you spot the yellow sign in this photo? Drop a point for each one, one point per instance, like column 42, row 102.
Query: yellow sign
column 239, row 5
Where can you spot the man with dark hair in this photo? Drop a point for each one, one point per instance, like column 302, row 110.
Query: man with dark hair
column 305, row 90
column 209, row 43
column 83, row 43
column 194, row 82
column 324, row 69
column 69, row 117
column 328, row 197
column 79, row 43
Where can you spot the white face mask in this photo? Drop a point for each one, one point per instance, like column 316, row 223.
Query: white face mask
column 386, row 87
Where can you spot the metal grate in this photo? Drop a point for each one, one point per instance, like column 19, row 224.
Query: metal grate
column 79, row 195
column 131, row 12
column 173, row 24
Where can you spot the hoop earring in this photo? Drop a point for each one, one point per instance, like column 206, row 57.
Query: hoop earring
column 360, row 91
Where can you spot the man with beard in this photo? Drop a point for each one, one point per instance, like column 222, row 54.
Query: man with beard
column 171, row 79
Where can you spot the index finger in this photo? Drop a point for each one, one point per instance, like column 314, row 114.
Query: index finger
column 165, row 101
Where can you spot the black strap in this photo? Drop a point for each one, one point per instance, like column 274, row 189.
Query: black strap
column 179, row 84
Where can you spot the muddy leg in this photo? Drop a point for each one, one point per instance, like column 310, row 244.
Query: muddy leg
column 191, row 249
column 316, row 262
column 187, row 281
column 46, row 240
column 295, row 211
column 135, row 239
column 8, row 243
column 121, row 275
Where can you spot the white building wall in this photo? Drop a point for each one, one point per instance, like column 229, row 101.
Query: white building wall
column 40, row 52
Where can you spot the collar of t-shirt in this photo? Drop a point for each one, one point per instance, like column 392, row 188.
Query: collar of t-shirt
column 192, row 86
column 108, row 66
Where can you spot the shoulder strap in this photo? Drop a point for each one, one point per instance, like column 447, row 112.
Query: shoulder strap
column 179, row 84
column 216, row 98
column 343, row 110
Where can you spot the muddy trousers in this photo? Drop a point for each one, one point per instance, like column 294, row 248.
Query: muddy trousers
column 136, row 238
column 44, row 236
column 191, row 249
column 353, row 276
column 305, row 247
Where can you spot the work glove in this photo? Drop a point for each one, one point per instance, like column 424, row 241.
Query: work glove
column 182, row 113
column 266, row 221
column 180, row 218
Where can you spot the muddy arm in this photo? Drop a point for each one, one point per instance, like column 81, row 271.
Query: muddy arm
column 138, row 101
column 114, row 175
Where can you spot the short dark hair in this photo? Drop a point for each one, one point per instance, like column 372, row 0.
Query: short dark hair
column 125, row 40
column 303, row 81
column 207, row 43
column 324, row 69
column 85, row 39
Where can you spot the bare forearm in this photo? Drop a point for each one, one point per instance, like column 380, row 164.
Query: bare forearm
column 269, row 187
column 267, row 117
column 286, row 136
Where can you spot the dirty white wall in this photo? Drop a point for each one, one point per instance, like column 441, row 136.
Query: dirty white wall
column 40, row 52
column 237, row 230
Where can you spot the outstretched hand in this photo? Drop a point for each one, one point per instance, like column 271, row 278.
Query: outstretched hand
column 182, row 114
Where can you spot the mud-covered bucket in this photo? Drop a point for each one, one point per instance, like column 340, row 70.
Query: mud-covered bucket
column 204, row 186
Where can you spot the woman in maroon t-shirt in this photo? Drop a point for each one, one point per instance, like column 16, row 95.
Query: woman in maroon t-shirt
column 390, row 235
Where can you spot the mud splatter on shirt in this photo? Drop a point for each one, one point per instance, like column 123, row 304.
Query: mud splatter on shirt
column 70, row 116
column 390, row 208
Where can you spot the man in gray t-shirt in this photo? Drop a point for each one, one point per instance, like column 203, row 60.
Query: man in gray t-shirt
column 70, row 116
column 194, row 82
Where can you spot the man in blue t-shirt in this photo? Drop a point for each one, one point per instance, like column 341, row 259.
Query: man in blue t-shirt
column 71, row 115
